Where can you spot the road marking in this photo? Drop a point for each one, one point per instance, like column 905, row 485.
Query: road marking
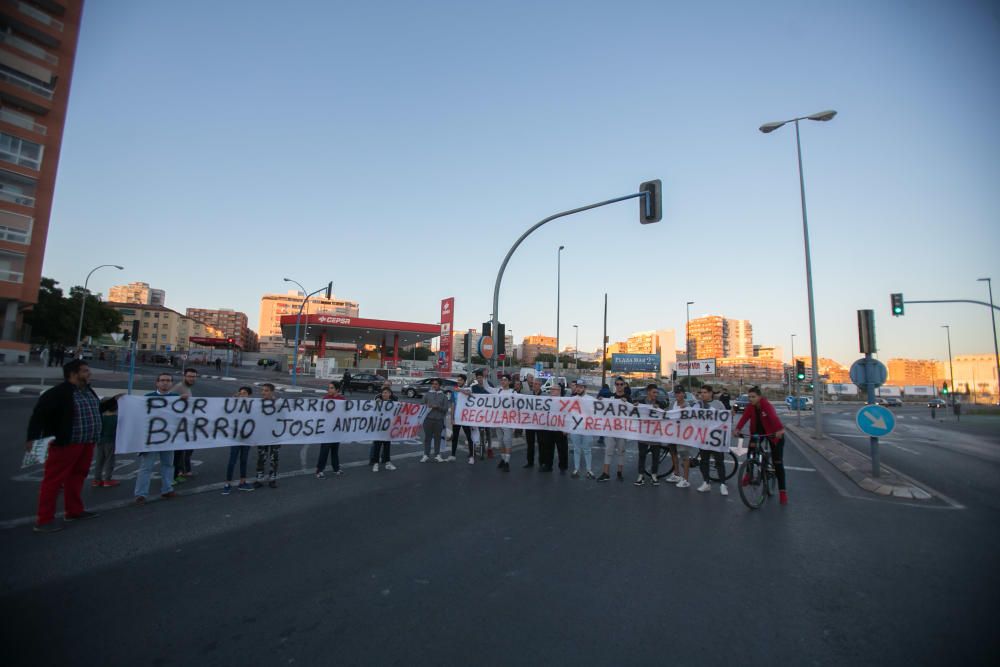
column 800, row 469
column 904, row 449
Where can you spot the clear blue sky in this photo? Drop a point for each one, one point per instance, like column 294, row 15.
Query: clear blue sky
column 399, row 148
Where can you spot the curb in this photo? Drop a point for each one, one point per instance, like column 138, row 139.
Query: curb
column 28, row 389
column 857, row 467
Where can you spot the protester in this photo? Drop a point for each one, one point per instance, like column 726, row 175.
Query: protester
column 70, row 413
column 480, row 386
column 267, row 453
column 725, row 399
column 653, row 400
column 550, row 441
column 531, row 435
column 764, row 422
column 471, row 435
column 506, row 434
column 615, row 447
column 380, row 448
column 437, row 406
column 705, row 402
column 581, row 443
column 104, row 464
column 241, row 452
column 680, row 455
column 182, row 457
column 148, row 459
column 330, row 450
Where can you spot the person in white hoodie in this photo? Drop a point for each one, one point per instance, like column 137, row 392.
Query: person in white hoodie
column 506, row 434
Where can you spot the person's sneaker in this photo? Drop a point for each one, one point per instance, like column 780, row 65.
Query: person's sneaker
column 82, row 515
column 683, row 484
column 273, row 483
column 227, row 489
column 375, row 467
column 50, row 527
column 621, row 477
column 111, row 483
column 500, row 464
column 139, row 500
column 245, row 487
column 673, row 478
column 168, row 495
column 575, row 474
column 438, row 459
column 656, row 481
column 389, row 465
column 424, row 458
column 640, row 481
column 590, row 475
column 257, row 483
column 321, row 475
column 783, row 497
column 705, row 486
column 450, row 459
column 506, row 466
column 529, row 465
column 338, row 472
column 604, row 477
column 723, row 489
column 472, row 460
column 179, row 480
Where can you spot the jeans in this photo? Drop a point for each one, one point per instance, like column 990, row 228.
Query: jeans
column 581, row 449
column 432, row 433
column 720, row 464
column 644, row 448
column 104, row 461
column 267, row 453
column 331, row 450
column 379, row 452
column 614, row 447
column 241, row 452
column 146, row 462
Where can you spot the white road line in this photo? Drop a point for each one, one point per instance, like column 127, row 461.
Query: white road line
column 903, row 448
column 800, row 469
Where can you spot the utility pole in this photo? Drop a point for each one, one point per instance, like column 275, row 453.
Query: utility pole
column 604, row 346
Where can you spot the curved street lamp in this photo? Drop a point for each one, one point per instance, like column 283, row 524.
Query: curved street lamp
column 83, row 305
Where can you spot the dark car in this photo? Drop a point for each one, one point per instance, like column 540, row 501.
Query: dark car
column 266, row 362
column 741, row 402
column 639, row 394
column 365, row 382
column 418, row 389
column 936, row 403
column 889, row 402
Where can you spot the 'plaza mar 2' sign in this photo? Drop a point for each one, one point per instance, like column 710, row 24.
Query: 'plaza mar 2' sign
column 635, row 363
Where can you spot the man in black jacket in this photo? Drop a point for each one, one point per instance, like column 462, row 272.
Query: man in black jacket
column 71, row 414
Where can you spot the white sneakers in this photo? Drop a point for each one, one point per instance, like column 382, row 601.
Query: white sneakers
column 375, row 468
column 704, row 488
column 472, row 460
column 438, row 459
column 389, row 466
column 450, row 459
column 723, row 490
column 674, row 478
column 683, row 483
column 424, row 458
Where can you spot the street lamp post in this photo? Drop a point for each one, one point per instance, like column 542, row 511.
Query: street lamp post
column 996, row 353
column 951, row 368
column 298, row 319
column 795, row 387
column 558, row 296
column 576, row 348
column 83, row 305
column 771, row 127
column 687, row 343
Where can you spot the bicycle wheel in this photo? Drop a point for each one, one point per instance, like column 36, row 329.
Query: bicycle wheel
column 666, row 463
column 752, row 483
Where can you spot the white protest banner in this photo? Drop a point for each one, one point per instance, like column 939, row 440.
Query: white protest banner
column 164, row 423
column 703, row 428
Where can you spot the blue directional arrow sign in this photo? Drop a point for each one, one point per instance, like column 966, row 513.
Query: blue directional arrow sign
column 876, row 421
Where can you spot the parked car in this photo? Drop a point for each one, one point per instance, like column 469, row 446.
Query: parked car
column 741, row 402
column 266, row 362
column 804, row 402
column 889, row 402
column 639, row 394
column 365, row 382
column 418, row 389
column 937, row 403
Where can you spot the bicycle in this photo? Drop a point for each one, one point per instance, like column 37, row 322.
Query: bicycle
column 730, row 462
column 757, row 480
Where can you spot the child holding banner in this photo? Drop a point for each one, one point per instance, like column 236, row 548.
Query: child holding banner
column 380, row 448
column 240, row 452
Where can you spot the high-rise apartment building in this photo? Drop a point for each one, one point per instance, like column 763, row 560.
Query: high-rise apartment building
column 232, row 323
column 914, row 372
column 137, row 293
column 37, row 49
column 714, row 337
column 532, row 346
column 274, row 306
column 162, row 329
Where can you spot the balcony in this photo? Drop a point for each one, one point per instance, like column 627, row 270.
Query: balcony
column 40, row 16
column 27, row 84
column 22, row 120
column 25, row 46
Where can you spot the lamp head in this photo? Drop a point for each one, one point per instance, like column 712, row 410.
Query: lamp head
column 120, row 268
column 823, row 115
column 767, row 128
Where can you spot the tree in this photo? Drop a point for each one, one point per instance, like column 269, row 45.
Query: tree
column 545, row 358
column 54, row 318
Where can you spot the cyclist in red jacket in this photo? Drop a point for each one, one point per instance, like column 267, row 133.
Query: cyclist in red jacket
column 764, row 420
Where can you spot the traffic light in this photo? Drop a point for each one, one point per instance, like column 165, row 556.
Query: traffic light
column 467, row 341
column 944, row 388
column 800, row 370
column 501, row 337
column 487, row 328
column 135, row 330
column 651, row 204
column 125, row 336
column 230, row 340
column 329, row 290
column 897, row 305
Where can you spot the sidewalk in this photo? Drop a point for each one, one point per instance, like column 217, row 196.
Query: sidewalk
column 858, row 467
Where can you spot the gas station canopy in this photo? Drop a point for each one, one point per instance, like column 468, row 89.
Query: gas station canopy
column 387, row 334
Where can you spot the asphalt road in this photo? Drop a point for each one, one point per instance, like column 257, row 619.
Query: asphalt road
column 458, row 564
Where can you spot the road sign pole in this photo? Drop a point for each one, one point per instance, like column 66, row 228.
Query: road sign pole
column 873, row 441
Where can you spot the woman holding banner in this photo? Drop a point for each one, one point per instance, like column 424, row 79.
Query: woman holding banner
column 380, row 448
column 241, row 452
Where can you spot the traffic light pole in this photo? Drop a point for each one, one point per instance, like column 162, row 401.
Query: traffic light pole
column 649, row 208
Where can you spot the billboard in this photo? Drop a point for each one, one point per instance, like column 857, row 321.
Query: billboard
column 635, row 363
column 919, row 390
column 842, row 389
column 889, row 390
column 444, row 345
column 698, row 367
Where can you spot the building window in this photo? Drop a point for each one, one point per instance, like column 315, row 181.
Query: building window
column 20, row 151
column 17, row 189
column 145, row 314
column 163, row 336
column 11, row 267
column 145, row 325
column 15, row 228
